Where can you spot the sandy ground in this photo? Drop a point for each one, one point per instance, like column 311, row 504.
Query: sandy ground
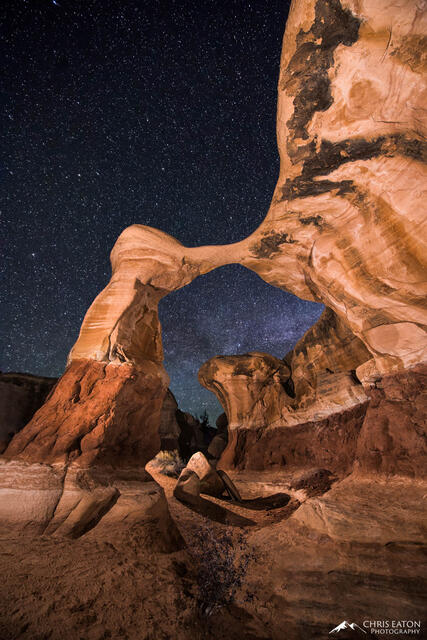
column 291, row 582
column 83, row 590
column 62, row 589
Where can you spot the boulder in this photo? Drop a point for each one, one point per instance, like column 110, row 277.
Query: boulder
column 210, row 481
column 216, row 448
column 230, row 486
column 188, row 486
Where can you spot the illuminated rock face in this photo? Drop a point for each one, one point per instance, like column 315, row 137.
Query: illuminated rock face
column 250, row 387
column 122, row 324
column 98, row 414
column 347, row 221
column 345, row 228
column 107, row 405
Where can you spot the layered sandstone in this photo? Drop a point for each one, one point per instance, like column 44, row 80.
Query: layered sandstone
column 105, row 504
column 342, row 426
column 393, row 439
column 251, row 387
column 278, row 417
column 77, row 469
column 346, row 225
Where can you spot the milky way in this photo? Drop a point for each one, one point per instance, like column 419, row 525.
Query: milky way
column 158, row 113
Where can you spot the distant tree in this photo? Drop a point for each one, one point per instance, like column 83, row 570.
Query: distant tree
column 204, row 420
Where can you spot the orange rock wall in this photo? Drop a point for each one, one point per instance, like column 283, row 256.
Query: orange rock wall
column 98, row 413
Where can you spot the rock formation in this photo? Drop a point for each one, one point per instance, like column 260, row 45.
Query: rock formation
column 97, row 413
column 198, row 477
column 393, row 436
column 194, row 436
column 248, row 385
column 345, row 224
column 169, row 429
column 345, row 228
column 180, row 431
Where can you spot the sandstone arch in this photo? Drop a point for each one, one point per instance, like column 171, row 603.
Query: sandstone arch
column 345, row 227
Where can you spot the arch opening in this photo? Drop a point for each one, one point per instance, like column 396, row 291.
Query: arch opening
column 229, row 311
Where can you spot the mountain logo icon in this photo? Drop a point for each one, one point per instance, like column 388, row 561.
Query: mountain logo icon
column 347, row 625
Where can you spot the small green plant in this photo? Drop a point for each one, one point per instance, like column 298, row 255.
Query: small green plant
column 221, row 561
column 169, row 463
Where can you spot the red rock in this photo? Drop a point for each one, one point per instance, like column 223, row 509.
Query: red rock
column 99, row 413
column 393, row 439
column 329, row 443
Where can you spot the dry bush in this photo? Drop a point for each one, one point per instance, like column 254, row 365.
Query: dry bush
column 169, row 463
column 221, row 561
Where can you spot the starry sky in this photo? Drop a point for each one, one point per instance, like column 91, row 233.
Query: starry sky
column 155, row 112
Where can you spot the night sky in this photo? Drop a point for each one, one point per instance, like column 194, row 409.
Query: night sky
column 136, row 111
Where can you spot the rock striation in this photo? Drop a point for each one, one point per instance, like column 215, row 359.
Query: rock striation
column 254, row 384
column 103, row 503
column 98, row 413
column 393, row 438
column 346, row 225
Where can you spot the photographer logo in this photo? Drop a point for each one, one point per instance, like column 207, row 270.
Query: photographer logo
column 346, row 625
column 382, row 627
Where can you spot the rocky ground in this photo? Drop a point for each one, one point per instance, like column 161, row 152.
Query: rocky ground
column 354, row 551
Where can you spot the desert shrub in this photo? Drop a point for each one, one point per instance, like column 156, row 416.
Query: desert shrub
column 221, row 561
column 169, row 463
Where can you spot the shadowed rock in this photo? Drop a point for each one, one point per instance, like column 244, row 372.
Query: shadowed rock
column 21, row 395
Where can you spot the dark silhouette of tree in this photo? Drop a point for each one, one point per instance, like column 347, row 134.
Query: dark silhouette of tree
column 204, row 420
